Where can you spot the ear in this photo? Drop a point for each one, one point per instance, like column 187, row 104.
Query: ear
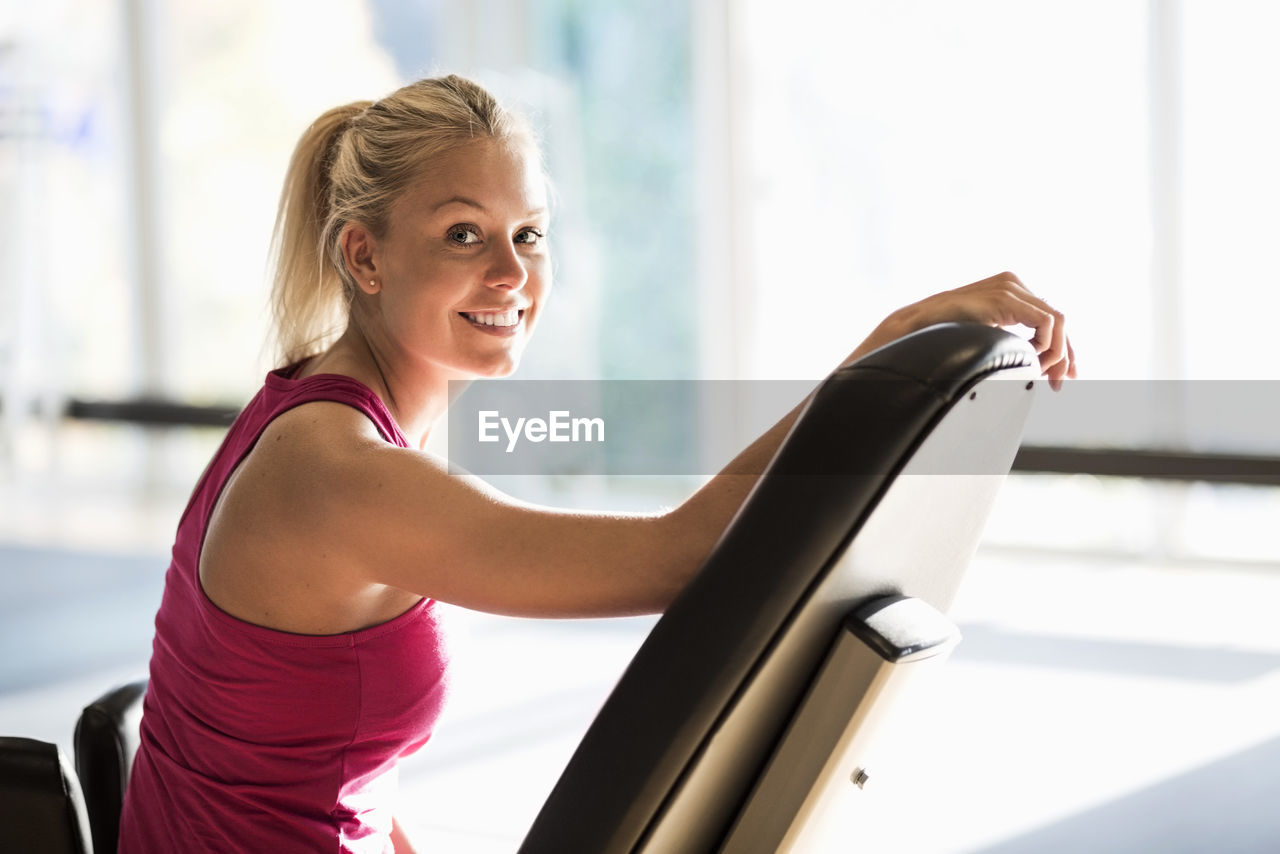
column 359, row 253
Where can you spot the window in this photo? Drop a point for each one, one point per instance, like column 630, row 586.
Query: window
column 1114, row 155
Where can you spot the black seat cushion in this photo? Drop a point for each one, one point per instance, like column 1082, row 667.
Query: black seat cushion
column 106, row 740
column 41, row 806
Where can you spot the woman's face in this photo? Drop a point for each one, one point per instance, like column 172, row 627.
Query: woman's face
column 464, row 264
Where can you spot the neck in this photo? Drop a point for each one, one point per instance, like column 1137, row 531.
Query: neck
column 416, row 396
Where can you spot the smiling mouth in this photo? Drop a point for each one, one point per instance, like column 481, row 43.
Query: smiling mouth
column 495, row 321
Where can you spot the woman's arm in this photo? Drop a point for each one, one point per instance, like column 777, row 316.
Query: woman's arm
column 382, row 515
column 397, row 517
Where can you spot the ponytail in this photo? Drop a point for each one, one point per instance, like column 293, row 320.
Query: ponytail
column 309, row 298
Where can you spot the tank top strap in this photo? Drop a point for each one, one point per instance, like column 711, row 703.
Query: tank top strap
column 283, row 393
column 280, row 393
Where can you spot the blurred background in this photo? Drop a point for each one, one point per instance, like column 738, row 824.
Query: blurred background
column 744, row 189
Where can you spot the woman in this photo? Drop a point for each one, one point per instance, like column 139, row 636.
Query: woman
column 297, row 654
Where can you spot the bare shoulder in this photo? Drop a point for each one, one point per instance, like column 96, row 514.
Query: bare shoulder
column 277, row 551
column 302, row 463
column 317, row 439
column 330, row 460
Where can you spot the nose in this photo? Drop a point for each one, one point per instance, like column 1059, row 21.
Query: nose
column 506, row 268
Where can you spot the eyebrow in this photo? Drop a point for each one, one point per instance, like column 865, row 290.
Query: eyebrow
column 472, row 203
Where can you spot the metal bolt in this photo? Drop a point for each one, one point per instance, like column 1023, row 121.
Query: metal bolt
column 859, row 777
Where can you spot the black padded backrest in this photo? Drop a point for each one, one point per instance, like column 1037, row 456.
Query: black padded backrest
column 882, row 486
column 106, row 740
column 41, row 808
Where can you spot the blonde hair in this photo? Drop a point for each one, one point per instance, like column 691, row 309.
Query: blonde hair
column 351, row 165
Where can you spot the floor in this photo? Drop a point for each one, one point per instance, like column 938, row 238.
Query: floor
column 1100, row 704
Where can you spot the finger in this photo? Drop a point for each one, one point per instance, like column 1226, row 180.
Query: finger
column 1012, row 310
column 1057, row 372
column 1053, row 336
column 1055, row 343
column 1050, row 340
column 1011, row 277
column 1063, row 369
column 1055, row 350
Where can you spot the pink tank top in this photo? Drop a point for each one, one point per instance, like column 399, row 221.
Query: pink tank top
column 255, row 739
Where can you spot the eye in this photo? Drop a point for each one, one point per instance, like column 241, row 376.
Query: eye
column 530, row 237
column 464, row 235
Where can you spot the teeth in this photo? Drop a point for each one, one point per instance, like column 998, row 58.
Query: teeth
column 509, row 317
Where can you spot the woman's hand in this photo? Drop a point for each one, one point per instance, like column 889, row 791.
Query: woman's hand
column 1001, row 300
